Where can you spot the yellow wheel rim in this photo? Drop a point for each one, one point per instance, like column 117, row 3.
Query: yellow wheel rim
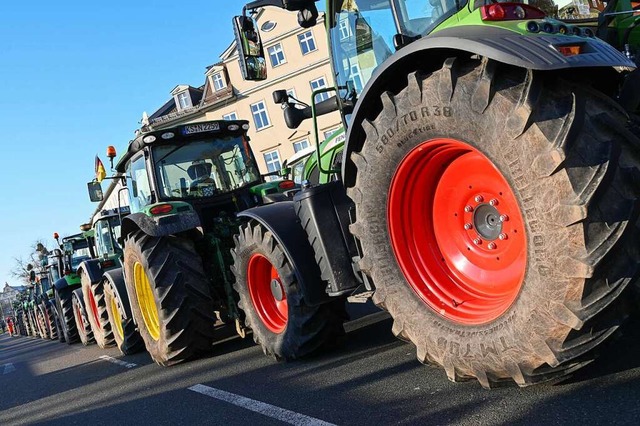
column 117, row 318
column 146, row 301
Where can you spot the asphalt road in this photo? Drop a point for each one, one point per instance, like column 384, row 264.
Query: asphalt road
column 374, row 379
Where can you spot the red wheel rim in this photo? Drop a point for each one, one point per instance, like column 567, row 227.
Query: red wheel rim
column 267, row 293
column 94, row 308
column 456, row 231
column 80, row 320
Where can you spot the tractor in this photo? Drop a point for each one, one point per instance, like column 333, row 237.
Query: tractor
column 67, row 292
column 185, row 184
column 103, row 287
column 488, row 196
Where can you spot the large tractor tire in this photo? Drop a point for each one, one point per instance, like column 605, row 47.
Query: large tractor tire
column 50, row 319
column 282, row 323
column 33, row 320
column 94, row 301
column 66, row 317
column 125, row 332
column 170, row 297
column 41, row 321
column 81, row 316
column 497, row 210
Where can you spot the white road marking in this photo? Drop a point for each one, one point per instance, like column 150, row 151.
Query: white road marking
column 263, row 408
column 9, row 368
column 117, row 361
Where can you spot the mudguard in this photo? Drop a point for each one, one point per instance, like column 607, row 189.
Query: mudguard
column 115, row 277
column 159, row 226
column 532, row 51
column 281, row 219
column 92, row 268
column 70, row 280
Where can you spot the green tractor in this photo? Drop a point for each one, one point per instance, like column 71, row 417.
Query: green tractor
column 186, row 184
column 45, row 313
column 488, row 195
column 67, row 291
column 103, row 286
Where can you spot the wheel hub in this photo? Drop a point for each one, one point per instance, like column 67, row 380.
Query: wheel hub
column 276, row 290
column 267, row 293
column 486, row 219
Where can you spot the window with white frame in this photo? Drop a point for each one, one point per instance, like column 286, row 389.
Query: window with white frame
column 260, row 116
column 319, row 83
column 307, row 42
column 276, row 54
column 356, row 77
column 272, row 158
column 328, row 133
column 218, row 81
column 230, row 116
column 184, row 100
column 300, row 145
column 345, row 29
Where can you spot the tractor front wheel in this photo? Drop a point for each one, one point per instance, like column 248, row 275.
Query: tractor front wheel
column 124, row 329
column 497, row 209
column 283, row 324
column 94, row 301
column 170, row 297
column 81, row 314
column 66, row 316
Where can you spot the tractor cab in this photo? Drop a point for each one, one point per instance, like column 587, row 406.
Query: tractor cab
column 206, row 167
column 107, row 227
column 76, row 249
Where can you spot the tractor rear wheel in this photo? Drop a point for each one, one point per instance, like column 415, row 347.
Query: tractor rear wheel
column 283, row 324
column 81, row 314
column 124, row 329
column 66, row 317
column 41, row 322
column 170, row 297
column 93, row 295
column 505, row 247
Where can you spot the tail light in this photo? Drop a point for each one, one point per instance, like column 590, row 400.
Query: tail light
column 286, row 184
column 569, row 50
column 161, row 209
column 108, row 263
column 510, row 12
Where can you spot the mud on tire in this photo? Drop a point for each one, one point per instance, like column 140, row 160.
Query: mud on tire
column 300, row 329
column 180, row 292
column 574, row 170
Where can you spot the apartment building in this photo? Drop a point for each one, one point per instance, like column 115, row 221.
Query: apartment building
column 297, row 61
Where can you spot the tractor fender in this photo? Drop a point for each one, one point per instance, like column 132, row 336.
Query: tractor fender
column 67, row 281
column 428, row 54
column 281, row 220
column 115, row 277
column 92, row 268
column 160, row 226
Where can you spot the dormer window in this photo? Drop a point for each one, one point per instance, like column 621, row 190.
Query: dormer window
column 218, row 81
column 184, row 100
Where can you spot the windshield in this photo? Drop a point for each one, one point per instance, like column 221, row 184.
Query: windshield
column 107, row 234
column 297, row 170
column 362, row 33
column 204, row 168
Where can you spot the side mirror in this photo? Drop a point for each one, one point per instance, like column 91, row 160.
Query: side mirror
column 95, row 191
column 250, row 53
column 32, row 275
column 280, row 96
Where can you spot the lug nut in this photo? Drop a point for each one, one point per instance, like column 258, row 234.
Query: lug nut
column 479, row 198
column 492, row 246
column 468, row 209
column 503, row 236
column 504, row 218
column 468, row 226
column 477, row 241
column 493, row 202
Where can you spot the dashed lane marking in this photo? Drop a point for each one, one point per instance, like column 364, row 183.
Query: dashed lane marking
column 117, row 361
column 260, row 407
column 9, row 368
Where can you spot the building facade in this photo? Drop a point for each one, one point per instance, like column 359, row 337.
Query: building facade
column 297, row 61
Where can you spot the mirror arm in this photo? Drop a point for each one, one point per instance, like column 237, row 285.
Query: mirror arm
column 290, row 5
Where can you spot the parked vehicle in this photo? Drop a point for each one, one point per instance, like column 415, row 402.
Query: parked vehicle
column 185, row 186
column 488, row 197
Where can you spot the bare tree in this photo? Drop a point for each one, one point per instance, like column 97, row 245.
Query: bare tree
column 23, row 264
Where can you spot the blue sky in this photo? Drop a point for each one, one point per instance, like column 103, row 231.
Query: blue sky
column 75, row 77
